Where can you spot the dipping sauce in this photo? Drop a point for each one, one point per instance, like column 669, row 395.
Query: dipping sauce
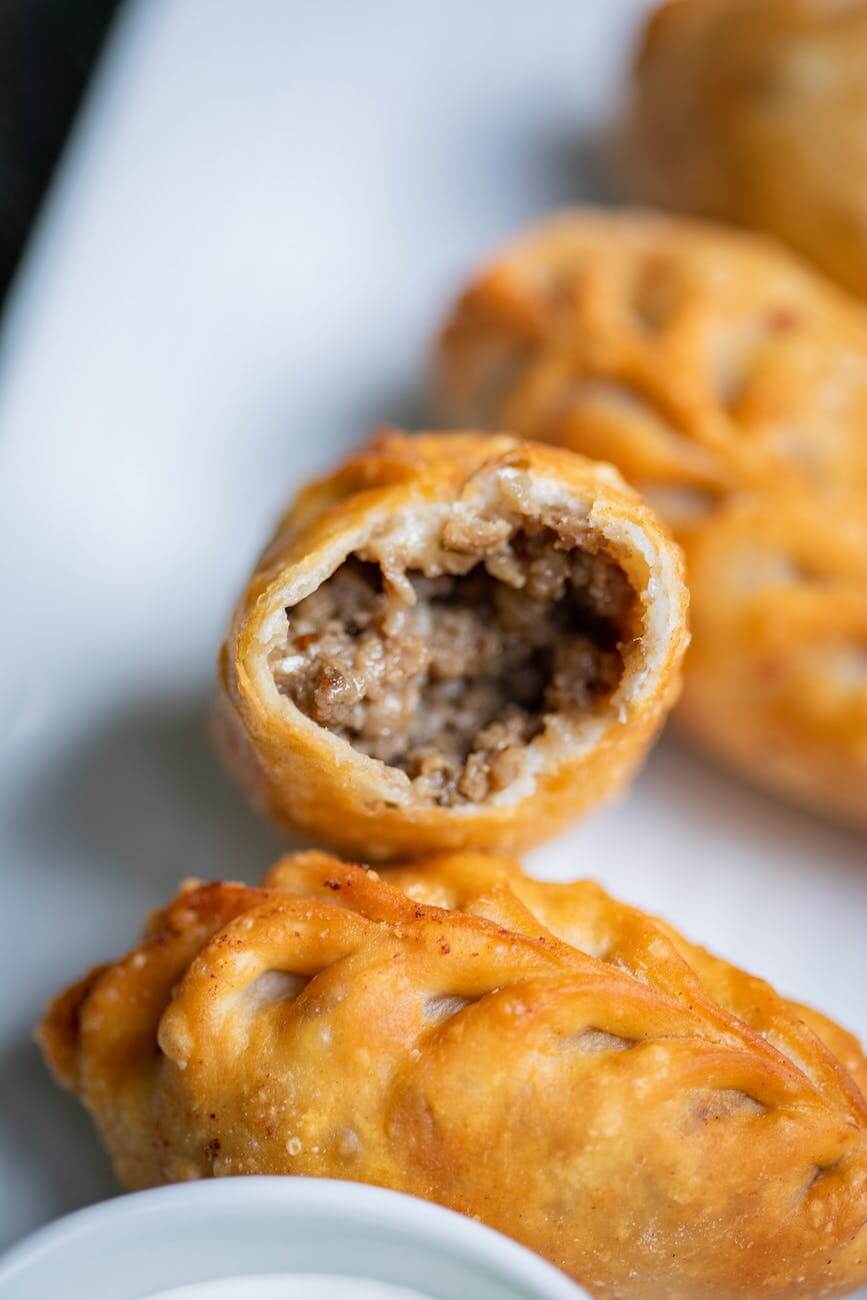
column 291, row 1286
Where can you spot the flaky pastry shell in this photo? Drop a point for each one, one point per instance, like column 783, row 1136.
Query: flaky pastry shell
column 451, row 641
column 697, row 359
column 755, row 111
column 575, row 1073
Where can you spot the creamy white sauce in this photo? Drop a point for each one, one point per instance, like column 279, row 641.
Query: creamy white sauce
column 291, row 1286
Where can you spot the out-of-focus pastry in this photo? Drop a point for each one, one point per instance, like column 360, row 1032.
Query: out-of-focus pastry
column 452, row 641
column 729, row 384
column 696, row 359
column 777, row 679
column 563, row 1067
column 756, row 111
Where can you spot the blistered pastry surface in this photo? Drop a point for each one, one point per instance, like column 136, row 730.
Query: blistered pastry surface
column 566, row 1068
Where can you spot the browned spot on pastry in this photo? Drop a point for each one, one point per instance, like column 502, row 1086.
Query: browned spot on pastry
column 783, row 319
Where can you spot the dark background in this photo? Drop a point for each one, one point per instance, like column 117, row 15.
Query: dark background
column 47, row 51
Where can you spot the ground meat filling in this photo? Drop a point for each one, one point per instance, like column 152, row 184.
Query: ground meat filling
column 453, row 687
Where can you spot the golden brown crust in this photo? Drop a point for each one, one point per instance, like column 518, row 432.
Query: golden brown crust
column 755, row 111
column 730, row 385
column 694, row 358
column 557, row 1064
column 60, row 1030
column 777, row 678
column 389, row 495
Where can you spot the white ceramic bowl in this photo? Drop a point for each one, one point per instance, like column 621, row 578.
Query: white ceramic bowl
column 136, row 1245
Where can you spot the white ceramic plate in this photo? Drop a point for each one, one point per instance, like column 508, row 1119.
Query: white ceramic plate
column 264, row 214
column 138, row 1246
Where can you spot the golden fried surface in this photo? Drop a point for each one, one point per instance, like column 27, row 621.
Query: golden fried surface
column 696, row 359
column 729, row 384
column 777, row 678
column 756, row 111
column 569, row 1070
column 388, row 721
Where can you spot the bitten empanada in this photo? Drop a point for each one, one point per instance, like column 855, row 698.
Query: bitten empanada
column 755, row 111
column 729, row 384
column 561, row 1066
column 452, row 641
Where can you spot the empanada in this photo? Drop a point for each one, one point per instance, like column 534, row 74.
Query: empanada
column 694, row 358
column 561, row 1066
column 777, row 671
column 756, row 111
column 729, row 385
column 452, row 641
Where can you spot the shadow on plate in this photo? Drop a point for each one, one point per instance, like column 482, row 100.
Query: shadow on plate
column 105, row 830
column 582, row 166
column 50, row 1142
column 717, row 798
column 407, row 408
column 144, row 794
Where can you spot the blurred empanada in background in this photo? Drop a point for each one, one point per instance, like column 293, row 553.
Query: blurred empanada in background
column 452, row 641
column 697, row 359
column 777, row 679
column 565, row 1068
column 755, row 111
column 728, row 382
